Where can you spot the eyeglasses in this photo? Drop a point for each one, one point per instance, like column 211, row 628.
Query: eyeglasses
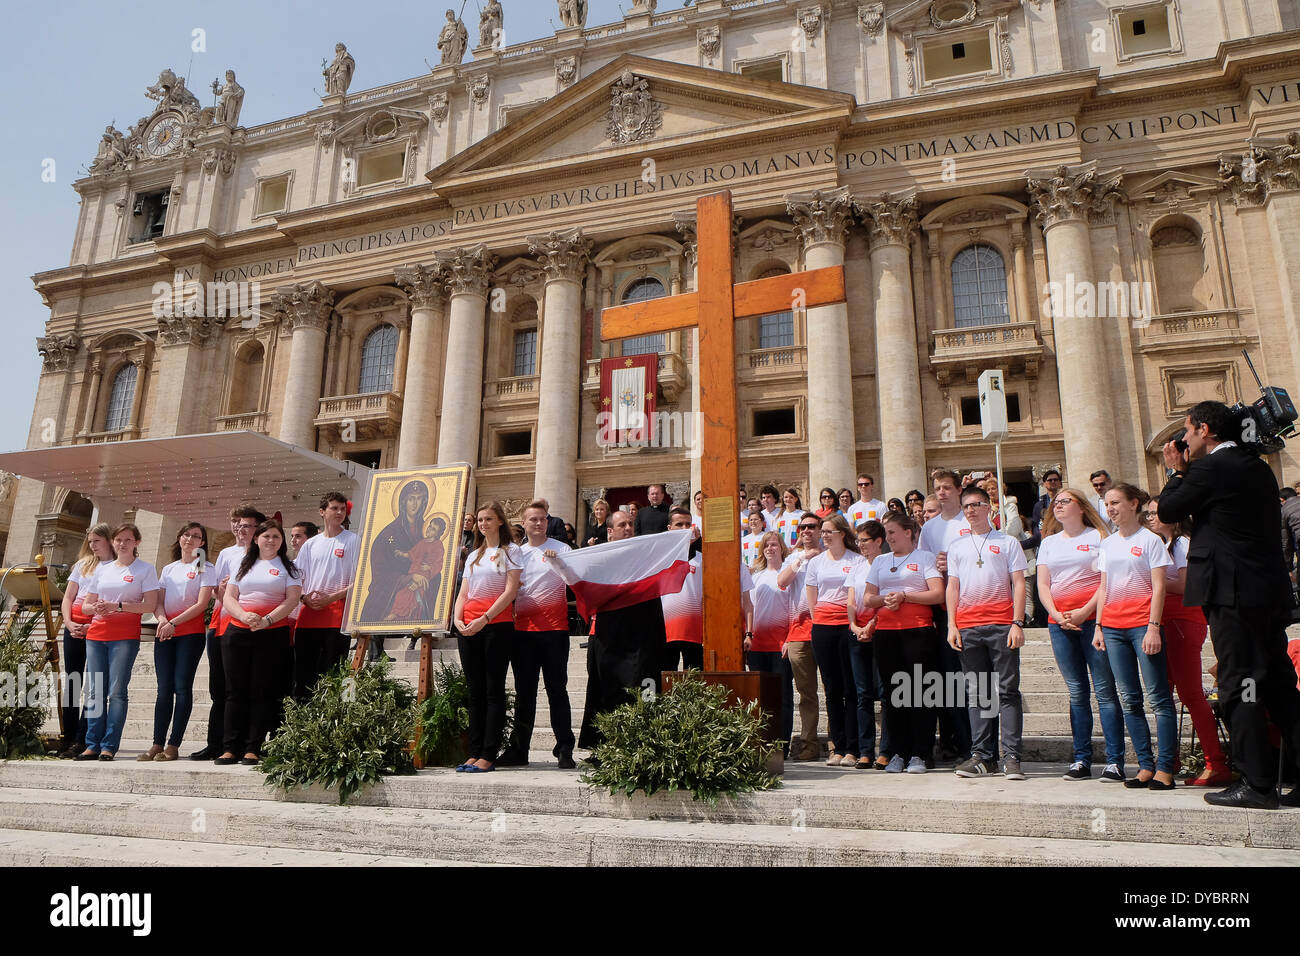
column 831, row 532
column 974, row 504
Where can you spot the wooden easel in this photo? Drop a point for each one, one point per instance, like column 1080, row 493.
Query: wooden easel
column 53, row 625
column 425, row 686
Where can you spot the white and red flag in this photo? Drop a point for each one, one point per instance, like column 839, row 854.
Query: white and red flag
column 606, row 577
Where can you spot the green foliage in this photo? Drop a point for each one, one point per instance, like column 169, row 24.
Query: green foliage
column 1192, row 758
column 351, row 731
column 687, row 739
column 444, row 718
column 20, row 724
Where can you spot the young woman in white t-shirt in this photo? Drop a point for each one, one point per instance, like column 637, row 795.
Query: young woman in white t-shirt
column 484, row 617
column 870, row 535
column 186, row 587
column 121, row 592
column 1068, row 579
column 787, row 521
column 770, row 615
column 96, row 549
column 259, row 598
column 750, row 542
column 1131, row 598
column 827, row 584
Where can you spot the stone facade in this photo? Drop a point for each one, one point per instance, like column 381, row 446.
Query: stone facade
column 1110, row 216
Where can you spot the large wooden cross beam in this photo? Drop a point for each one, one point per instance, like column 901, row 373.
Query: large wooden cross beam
column 714, row 307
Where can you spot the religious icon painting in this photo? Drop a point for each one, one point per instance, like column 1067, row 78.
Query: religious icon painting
column 409, row 544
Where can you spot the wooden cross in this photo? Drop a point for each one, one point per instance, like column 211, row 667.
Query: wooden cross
column 715, row 306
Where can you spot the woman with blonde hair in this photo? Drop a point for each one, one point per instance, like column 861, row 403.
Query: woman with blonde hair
column 768, row 625
column 1068, row 578
column 597, row 530
column 95, row 550
column 484, row 618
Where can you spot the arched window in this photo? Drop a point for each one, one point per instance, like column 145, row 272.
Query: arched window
column 246, row 381
column 640, row 291
column 119, row 399
column 775, row 330
column 979, row 287
column 378, row 355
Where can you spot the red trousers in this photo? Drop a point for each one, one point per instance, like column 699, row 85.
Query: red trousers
column 1184, row 638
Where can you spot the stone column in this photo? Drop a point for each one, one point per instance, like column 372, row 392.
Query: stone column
column 181, row 341
column 1063, row 200
column 306, row 307
column 92, row 396
column 1019, row 241
column 402, row 357
column 563, row 257
column 823, row 218
column 469, row 273
column 892, row 222
column 417, row 445
column 936, row 287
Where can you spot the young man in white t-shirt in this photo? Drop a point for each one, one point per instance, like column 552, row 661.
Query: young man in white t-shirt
column 328, row 564
column 770, row 504
column 986, row 603
column 867, row 507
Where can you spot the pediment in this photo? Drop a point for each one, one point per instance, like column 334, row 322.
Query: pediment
column 661, row 107
column 380, row 125
column 925, row 16
column 1172, row 183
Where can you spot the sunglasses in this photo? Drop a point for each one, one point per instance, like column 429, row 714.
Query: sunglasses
column 864, row 484
column 824, row 497
column 807, row 527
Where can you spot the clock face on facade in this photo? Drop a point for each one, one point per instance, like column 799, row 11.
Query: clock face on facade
column 163, row 137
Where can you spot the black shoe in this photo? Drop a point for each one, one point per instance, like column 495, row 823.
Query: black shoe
column 1154, row 784
column 250, row 761
column 566, row 762
column 225, row 761
column 71, row 752
column 1243, row 795
column 510, row 759
column 207, row 753
column 1292, row 799
column 1137, row 783
column 1078, row 771
column 87, row 756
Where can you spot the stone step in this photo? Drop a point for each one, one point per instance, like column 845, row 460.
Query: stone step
column 527, row 838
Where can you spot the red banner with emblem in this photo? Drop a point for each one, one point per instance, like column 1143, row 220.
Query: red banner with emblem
column 627, row 399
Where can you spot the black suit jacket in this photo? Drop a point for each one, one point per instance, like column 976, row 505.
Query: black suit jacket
column 1236, row 554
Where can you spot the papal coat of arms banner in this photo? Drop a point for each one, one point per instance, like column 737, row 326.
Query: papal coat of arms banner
column 627, row 397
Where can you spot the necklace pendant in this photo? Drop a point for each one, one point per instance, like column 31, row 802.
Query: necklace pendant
column 979, row 563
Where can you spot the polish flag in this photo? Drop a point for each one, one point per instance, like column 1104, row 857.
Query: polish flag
column 606, row 577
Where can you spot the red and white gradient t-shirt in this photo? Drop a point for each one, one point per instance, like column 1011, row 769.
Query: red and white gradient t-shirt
column 985, row 595
column 773, row 612
column 910, row 573
column 228, row 562
column 831, row 579
column 1174, row 607
column 485, row 581
column 327, row 564
column 684, row 609
column 263, row 588
column 1072, row 567
column 180, row 583
column 114, row 583
column 787, row 525
column 82, row 581
column 800, row 615
column 861, row 511
column 939, row 532
column 1127, row 565
column 541, row 604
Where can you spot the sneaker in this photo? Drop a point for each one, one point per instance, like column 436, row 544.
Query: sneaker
column 1078, row 771
column 1112, row 773
column 916, row 765
column 895, row 764
column 976, row 767
column 1011, row 769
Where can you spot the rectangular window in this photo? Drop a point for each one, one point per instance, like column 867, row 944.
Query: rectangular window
column 773, row 421
column 368, row 458
column 776, row 331
column 514, row 444
column 382, row 167
column 643, row 344
column 1144, row 30
column 525, row 352
column 970, row 409
column 942, row 59
column 272, row 196
column 149, row 215
column 764, row 70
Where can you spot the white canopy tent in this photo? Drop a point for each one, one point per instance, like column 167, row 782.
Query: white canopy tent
column 196, row 477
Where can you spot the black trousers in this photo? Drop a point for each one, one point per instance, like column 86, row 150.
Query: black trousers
column 1257, row 685
column 628, row 651
column 831, row 649
column 217, row 693
column 544, row 653
column 588, row 735
column 316, row 650
column 954, row 720
column 909, row 720
column 688, row 652
column 773, row 663
column 254, row 664
column 74, row 675
column 485, row 657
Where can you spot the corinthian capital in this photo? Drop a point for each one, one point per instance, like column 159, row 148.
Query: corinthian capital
column 1073, row 193
column 186, row 329
column 468, row 271
column 424, row 284
column 890, row 219
column 822, row 215
column 306, row 305
column 58, row 350
column 562, row 254
column 1264, row 169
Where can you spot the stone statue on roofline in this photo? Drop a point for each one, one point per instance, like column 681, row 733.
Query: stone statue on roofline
column 490, row 25
column 230, row 102
column 338, row 74
column 573, row 13
column 452, row 41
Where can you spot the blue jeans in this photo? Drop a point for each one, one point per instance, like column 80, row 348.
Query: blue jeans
column 1076, row 657
column 108, row 665
column 175, row 661
column 1132, row 669
column 861, row 659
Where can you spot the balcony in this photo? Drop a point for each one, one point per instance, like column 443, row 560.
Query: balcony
column 99, row 438
column 366, row 416
column 764, row 365
column 673, row 377
column 243, row 422
column 1194, row 332
column 958, row 354
column 512, row 392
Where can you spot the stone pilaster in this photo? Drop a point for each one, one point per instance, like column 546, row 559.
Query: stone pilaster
column 1065, row 200
column 424, row 285
column 891, row 222
column 469, row 274
column 563, row 257
column 181, row 341
column 306, row 310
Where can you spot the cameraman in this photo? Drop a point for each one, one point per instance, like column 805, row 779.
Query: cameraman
column 1235, row 573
